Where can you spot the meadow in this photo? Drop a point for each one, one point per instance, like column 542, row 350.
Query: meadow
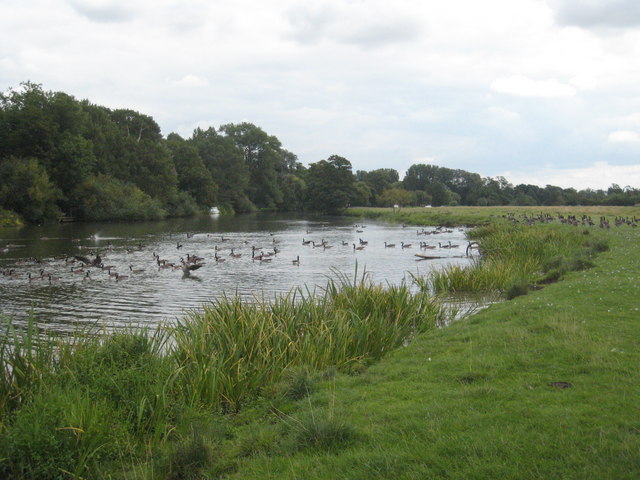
column 358, row 382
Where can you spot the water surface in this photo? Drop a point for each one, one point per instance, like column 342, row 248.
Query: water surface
column 61, row 295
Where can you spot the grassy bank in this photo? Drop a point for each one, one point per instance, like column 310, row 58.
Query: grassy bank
column 450, row 216
column 542, row 386
column 140, row 405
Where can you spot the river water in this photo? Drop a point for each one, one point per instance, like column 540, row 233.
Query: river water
column 61, row 295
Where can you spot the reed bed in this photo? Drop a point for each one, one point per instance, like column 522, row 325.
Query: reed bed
column 517, row 257
column 76, row 406
column 232, row 349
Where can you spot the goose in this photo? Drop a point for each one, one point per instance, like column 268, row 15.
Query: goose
column 82, row 259
column 53, row 279
column 405, row 245
column 87, row 277
column 297, row 260
column 178, row 245
column 235, row 255
column 121, row 277
column 187, row 269
column 218, row 259
column 305, row 242
column 363, row 242
column 344, row 244
column 326, row 246
column 135, row 271
column 389, row 245
column 443, row 246
column 361, row 247
column 453, row 246
column 112, row 275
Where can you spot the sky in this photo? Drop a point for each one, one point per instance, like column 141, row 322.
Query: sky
column 537, row 91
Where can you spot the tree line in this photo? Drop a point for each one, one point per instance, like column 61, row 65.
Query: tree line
column 60, row 155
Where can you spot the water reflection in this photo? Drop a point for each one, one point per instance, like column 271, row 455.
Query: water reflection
column 63, row 293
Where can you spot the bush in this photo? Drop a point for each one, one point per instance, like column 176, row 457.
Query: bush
column 106, row 198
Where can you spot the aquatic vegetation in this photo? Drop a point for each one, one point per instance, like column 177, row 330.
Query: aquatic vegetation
column 72, row 405
column 517, row 256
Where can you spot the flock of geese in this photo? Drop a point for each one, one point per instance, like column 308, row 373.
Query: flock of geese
column 94, row 267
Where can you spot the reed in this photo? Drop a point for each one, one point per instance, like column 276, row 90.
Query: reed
column 232, row 349
column 515, row 256
column 73, row 406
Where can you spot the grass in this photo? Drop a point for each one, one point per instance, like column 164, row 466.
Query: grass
column 482, row 398
column 451, row 216
column 316, row 386
column 73, row 407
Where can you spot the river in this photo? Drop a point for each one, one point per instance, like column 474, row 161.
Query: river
column 62, row 295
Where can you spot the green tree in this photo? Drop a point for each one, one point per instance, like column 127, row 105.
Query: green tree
column 225, row 161
column 193, row 176
column 330, row 185
column 26, row 189
column 263, row 156
column 396, row 196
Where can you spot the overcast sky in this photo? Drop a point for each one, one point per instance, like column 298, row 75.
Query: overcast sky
column 539, row 91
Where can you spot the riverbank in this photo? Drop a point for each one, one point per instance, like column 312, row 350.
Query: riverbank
column 473, row 216
column 542, row 386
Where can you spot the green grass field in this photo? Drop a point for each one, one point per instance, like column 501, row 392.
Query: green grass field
column 543, row 386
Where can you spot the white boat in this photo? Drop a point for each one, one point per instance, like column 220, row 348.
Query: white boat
column 214, row 211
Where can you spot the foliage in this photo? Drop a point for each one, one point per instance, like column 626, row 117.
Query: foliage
column 239, row 168
column 330, row 184
column 106, row 198
column 26, row 189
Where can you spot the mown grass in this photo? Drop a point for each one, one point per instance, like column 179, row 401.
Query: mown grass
column 451, row 216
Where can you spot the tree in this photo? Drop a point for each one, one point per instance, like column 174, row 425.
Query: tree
column 263, row 156
column 225, row 161
column 396, row 196
column 193, row 176
column 330, row 185
column 26, row 189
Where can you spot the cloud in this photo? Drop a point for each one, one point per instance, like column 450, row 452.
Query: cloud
column 191, row 81
column 597, row 13
column 366, row 25
column 103, row 11
column 624, row 136
column 522, row 86
column 599, row 175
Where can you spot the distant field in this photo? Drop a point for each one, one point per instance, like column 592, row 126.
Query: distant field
column 481, row 215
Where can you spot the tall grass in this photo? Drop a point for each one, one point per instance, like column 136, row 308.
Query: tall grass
column 71, row 407
column 231, row 349
column 515, row 256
